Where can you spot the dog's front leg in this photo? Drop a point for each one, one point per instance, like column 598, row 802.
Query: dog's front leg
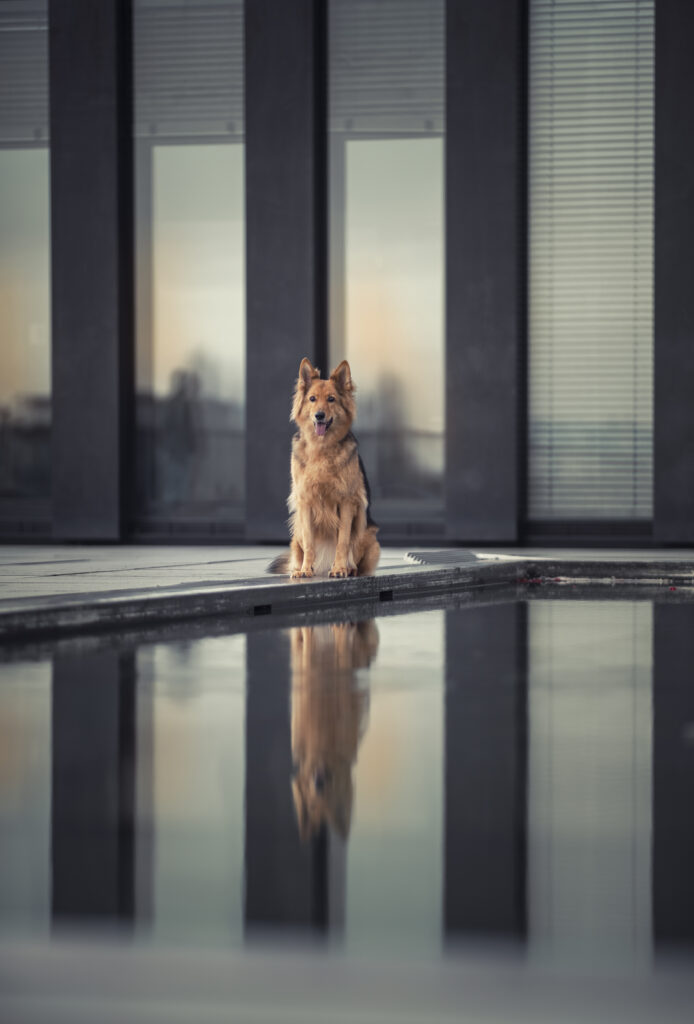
column 344, row 564
column 305, row 532
column 296, row 558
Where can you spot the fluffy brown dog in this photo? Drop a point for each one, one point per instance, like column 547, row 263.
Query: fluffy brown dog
column 329, row 717
column 330, row 524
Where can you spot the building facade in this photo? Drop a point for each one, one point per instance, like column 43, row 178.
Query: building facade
column 485, row 207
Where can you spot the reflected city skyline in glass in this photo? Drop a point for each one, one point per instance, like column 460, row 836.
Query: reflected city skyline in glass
column 190, row 263
column 386, row 188
column 25, row 274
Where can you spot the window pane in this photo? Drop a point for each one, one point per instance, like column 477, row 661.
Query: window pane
column 190, row 262
column 25, row 313
column 591, row 259
column 387, row 242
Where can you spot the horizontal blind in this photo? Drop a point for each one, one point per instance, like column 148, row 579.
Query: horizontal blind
column 188, row 68
column 590, row 259
column 23, row 71
column 386, row 66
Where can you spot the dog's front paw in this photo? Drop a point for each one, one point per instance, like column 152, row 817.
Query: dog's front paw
column 339, row 572
column 302, row 574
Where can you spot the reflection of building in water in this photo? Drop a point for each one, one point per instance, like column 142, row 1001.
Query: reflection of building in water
column 329, row 716
column 25, row 431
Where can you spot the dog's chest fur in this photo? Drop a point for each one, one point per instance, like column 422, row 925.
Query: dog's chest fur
column 323, row 477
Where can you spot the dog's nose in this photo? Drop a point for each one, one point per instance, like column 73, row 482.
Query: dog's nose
column 320, row 416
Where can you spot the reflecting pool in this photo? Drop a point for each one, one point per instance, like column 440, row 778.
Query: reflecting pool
column 509, row 772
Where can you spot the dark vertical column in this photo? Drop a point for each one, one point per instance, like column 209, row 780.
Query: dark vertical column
column 673, row 774
column 286, row 265
column 673, row 426
column 338, row 277
column 93, row 786
column 485, row 772
column 286, row 881
column 91, row 248
column 336, row 886
column 485, row 282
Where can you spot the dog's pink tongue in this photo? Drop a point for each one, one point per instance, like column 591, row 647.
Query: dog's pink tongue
column 321, row 428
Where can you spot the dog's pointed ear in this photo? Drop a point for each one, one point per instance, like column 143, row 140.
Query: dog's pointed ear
column 307, row 373
column 342, row 377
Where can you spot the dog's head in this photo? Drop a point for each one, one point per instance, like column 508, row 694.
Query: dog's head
column 323, row 795
column 323, row 410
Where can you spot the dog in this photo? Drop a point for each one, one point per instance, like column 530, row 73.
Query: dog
column 330, row 519
column 328, row 719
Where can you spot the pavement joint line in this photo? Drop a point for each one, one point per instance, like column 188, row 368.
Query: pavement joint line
column 51, row 561
column 145, row 568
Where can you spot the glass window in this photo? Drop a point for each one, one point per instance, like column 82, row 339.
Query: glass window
column 190, row 263
column 591, row 259
column 25, row 309
column 387, row 242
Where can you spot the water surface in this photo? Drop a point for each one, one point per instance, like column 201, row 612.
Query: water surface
column 513, row 772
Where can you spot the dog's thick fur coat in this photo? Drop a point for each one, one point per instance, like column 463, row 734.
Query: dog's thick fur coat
column 330, row 524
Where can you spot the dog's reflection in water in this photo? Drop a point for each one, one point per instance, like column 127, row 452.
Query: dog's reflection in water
column 329, row 714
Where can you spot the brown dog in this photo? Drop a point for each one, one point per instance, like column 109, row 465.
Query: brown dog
column 329, row 717
column 330, row 523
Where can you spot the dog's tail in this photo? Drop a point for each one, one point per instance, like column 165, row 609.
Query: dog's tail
column 280, row 564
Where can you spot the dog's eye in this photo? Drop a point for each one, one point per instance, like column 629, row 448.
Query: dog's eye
column 331, row 398
column 312, row 398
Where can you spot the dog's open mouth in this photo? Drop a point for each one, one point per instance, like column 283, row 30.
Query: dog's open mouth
column 322, row 426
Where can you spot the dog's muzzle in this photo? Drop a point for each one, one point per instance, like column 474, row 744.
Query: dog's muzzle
column 321, row 424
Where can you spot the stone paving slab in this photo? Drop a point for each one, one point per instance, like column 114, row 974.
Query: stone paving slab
column 46, row 589
column 120, row 587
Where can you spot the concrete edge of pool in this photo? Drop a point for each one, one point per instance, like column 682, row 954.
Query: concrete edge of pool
column 38, row 607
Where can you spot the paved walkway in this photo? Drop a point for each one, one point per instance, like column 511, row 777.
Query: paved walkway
column 54, row 588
